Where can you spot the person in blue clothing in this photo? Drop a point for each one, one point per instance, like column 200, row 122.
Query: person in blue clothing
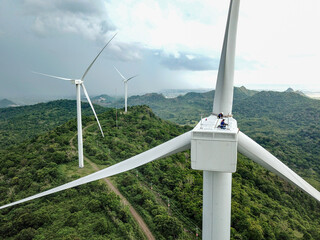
column 223, row 124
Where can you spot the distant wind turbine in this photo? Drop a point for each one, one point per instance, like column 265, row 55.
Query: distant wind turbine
column 213, row 150
column 125, row 81
column 78, row 83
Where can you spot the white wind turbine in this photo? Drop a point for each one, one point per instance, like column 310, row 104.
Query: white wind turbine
column 212, row 150
column 125, row 81
column 78, row 83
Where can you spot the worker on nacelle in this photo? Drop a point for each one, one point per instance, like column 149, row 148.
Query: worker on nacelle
column 223, row 124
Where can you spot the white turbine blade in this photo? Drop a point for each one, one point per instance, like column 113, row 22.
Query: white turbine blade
column 131, row 78
column 85, row 73
column 94, row 112
column 124, row 79
column 168, row 148
column 52, row 76
column 223, row 96
column 258, row 154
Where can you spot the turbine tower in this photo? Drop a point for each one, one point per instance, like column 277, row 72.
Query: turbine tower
column 125, row 81
column 78, row 83
column 213, row 150
column 217, row 184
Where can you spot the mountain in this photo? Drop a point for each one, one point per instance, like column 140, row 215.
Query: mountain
column 289, row 123
column 287, row 120
column 263, row 206
column 87, row 212
column 171, row 93
column 4, row 103
column 246, row 91
column 297, row 91
column 25, row 122
column 289, row 117
column 185, row 109
column 289, row 90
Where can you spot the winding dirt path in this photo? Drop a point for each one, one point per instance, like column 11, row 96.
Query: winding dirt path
column 107, row 181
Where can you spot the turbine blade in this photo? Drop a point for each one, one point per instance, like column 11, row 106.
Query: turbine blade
column 131, row 78
column 85, row 73
column 258, row 154
column 168, row 148
column 52, row 76
column 223, row 96
column 124, row 79
column 94, row 112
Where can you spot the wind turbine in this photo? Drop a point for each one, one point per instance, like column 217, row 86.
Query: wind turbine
column 213, row 150
column 125, row 81
column 78, row 83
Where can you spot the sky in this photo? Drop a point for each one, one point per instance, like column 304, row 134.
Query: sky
column 170, row 44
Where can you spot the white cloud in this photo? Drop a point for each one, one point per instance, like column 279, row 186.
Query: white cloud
column 172, row 42
column 190, row 57
column 167, row 25
column 283, row 37
column 86, row 18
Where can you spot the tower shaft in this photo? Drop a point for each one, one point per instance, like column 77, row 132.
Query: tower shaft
column 79, row 123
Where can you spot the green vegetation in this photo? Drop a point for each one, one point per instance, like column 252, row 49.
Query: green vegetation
column 285, row 122
column 263, row 206
column 288, row 125
column 185, row 109
column 20, row 123
column 87, row 212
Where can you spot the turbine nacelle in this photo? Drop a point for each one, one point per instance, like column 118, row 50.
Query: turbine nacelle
column 214, row 148
column 77, row 81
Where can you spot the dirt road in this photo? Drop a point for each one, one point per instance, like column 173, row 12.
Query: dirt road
column 134, row 213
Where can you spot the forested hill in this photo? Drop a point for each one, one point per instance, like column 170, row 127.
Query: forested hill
column 263, row 206
column 21, row 123
column 288, row 124
column 185, row 109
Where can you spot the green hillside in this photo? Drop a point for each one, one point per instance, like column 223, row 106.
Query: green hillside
column 287, row 123
column 186, row 109
column 263, row 207
column 25, row 122
column 87, row 212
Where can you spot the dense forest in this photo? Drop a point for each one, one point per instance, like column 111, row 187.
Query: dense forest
column 21, row 123
column 167, row 193
column 288, row 121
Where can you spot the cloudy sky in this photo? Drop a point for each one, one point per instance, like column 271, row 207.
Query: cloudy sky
column 171, row 44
